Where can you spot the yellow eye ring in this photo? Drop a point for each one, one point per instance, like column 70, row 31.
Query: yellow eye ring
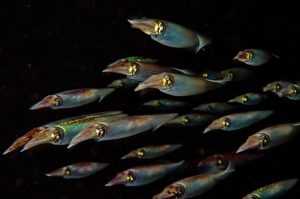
column 167, row 81
column 226, row 122
column 67, row 172
column 159, row 27
column 264, row 140
column 56, row 136
column 57, row 101
column 185, row 120
column 133, row 68
column 140, row 153
column 245, row 99
column 249, row 55
column 100, row 132
column 130, row 178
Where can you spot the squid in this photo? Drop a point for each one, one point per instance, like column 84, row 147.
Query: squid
column 165, row 104
column 276, row 86
column 123, row 83
column 229, row 75
column 77, row 170
column 238, row 120
column 254, row 57
column 122, row 128
column 139, row 68
column 270, row 137
column 171, row 34
column 195, row 185
column 136, row 68
column 192, row 120
column 62, row 131
column 249, row 98
column 291, row 91
column 146, row 174
column 72, row 98
column 272, row 191
column 220, row 162
column 216, row 107
column 154, row 151
column 178, row 84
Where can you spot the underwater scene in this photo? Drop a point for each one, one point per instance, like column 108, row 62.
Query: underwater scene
column 149, row 99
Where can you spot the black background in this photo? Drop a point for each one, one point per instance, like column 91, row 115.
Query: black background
column 51, row 46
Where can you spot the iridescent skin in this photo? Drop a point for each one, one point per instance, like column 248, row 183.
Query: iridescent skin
column 154, row 151
column 275, row 86
column 249, row 98
column 123, row 83
column 216, row 108
column 146, row 174
column 178, row 84
column 270, row 137
column 193, row 119
column 78, row 170
column 229, row 75
column 254, row 57
column 62, row 131
column 272, row 191
column 291, row 91
column 220, row 162
column 238, row 120
column 193, row 186
column 171, row 34
column 137, row 68
column 72, row 98
column 122, row 128
column 165, row 104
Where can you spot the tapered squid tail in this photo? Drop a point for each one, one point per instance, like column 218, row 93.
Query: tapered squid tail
column 23, row 140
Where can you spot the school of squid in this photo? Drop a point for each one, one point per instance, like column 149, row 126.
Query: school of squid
column 142, row 74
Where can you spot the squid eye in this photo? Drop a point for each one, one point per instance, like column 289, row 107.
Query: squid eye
column 277, row 87
column 159, row 27
column 226, row 122
column 67, row 172
column 133, row 68
column 230, row 75
column 141, row 153
column 100, row 132
column 205, row 75
column 185, row 120
column 219, row 162
column 167, row 81
column 56, row 136
column 264, row 140
column 245, row 99
column 57, row 101
column 249, row 55
column 180, row 190
column 130, row 178
column 294, row 91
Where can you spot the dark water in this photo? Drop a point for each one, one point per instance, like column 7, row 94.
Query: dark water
column 51, row 46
